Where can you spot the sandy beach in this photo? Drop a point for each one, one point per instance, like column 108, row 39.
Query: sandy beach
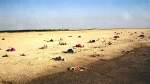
column 28, row 57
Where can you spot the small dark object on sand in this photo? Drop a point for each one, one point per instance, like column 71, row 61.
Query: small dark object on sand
column 79, row 46
column 76, row 68
column 22, row 54
column 3, row 38
column 141, row 36
column 11, row 50
column 59, row 58
column 60, row 39
column 79, row 36
column 91, row 41
column 51, row 40
column 96, row 47
column 125, row 52
column 69, row 51
column 44, row 47
column 69, row 36
column 95, row 55
column 109, row 43
column 5, row 55
column 62, row 43
column 116, row 37
column 102, row 49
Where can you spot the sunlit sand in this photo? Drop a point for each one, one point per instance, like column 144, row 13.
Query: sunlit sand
column 32, row 57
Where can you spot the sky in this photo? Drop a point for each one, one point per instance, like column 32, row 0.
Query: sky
column 42, row 14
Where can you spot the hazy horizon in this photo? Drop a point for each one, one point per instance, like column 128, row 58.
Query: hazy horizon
column 46, row 14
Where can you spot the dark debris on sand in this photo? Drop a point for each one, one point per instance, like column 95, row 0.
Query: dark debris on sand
column 59, row 58
column 69, row 51
column 91, row 41
column 131, row 68
column 5, row 55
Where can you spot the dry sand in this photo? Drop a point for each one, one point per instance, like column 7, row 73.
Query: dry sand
column 16, row 69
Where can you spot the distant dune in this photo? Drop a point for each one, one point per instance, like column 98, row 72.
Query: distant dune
column 35, row 30
column 63, row 29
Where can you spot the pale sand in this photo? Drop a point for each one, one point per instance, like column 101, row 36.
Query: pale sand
column 37, row 61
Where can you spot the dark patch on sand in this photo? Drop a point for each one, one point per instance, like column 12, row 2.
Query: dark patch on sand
column 131, row 68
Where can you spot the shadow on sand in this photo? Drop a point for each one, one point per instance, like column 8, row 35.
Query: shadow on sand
column 131, row 68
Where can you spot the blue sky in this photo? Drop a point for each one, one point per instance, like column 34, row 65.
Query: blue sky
column 35, row 14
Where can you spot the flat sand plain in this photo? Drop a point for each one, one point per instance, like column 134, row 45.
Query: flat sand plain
column 17, row 69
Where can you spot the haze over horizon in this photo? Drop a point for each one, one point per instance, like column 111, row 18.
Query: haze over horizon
column 42, row 14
